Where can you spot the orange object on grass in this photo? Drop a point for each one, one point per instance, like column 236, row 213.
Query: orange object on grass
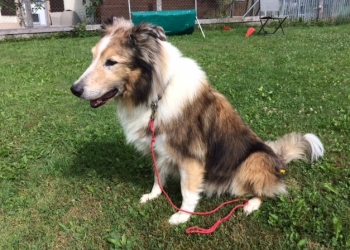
column 250, row 31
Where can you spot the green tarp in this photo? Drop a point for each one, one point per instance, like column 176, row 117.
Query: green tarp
column 174, row 22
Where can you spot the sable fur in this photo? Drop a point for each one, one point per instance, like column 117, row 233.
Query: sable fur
column 199, row 135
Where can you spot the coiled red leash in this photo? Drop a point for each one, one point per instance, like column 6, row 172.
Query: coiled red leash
column 194, row 229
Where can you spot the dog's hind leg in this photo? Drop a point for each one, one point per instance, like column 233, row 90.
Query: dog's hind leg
column 192, row 175
column 252, row 205
column 258, row 176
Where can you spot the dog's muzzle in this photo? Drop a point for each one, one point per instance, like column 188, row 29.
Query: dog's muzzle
column 77, row 90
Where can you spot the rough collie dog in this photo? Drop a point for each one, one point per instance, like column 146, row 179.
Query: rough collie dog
column 199, row 135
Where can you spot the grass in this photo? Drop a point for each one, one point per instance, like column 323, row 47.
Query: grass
column 69, row 181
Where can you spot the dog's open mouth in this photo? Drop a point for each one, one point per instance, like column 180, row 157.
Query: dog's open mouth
column 103, row 99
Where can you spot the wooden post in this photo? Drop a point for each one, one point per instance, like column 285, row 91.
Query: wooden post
column 298, row 9
column 159, row 4
column 28, row 16
column 282, row 8
column 320, row 10
column 249, row 4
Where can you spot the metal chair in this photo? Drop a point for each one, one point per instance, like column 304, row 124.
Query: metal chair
column 271, row 9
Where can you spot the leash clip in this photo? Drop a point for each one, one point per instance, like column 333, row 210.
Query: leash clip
column 154, row 107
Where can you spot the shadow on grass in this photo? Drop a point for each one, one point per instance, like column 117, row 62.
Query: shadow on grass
column 109, row 159
column 114, row 160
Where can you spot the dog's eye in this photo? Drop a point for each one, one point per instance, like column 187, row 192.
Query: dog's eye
column 110, row 62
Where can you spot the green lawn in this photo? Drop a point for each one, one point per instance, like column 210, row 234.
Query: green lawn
column 69, row 181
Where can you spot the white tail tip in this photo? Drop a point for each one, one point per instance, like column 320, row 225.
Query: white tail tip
column 316, row 146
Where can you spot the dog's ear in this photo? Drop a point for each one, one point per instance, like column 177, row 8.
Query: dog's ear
column 143, row 31
column 108, row 22
column 160, row 33
column 113, row 23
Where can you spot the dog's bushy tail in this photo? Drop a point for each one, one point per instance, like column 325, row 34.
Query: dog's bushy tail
column 295, row 146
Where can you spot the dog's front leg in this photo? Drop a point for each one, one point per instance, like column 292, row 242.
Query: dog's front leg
column 192, row 175
column 156, row 190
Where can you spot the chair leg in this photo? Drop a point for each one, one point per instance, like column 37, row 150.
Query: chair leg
column 263, row 26
column 280, row 26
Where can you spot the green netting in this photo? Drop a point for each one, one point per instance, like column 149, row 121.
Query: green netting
column 174, row 22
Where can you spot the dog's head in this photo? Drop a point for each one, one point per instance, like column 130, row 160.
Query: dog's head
column 123, row 64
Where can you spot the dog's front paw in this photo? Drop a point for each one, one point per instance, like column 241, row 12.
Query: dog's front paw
column 252, row 205
column 147, row 197
column 178, row 218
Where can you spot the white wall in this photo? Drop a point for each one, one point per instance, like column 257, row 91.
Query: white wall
column 77, row 6
column 9, row 22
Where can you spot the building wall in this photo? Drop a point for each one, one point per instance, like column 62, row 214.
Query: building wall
column 205, row 8
column 9, row 21
column 77, row 6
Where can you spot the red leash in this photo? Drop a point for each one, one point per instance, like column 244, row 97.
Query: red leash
column 194, row 229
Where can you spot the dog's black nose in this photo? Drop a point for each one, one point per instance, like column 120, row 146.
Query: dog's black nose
column 77, row 90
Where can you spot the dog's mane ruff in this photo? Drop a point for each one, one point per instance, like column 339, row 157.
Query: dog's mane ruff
column 148, row 42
